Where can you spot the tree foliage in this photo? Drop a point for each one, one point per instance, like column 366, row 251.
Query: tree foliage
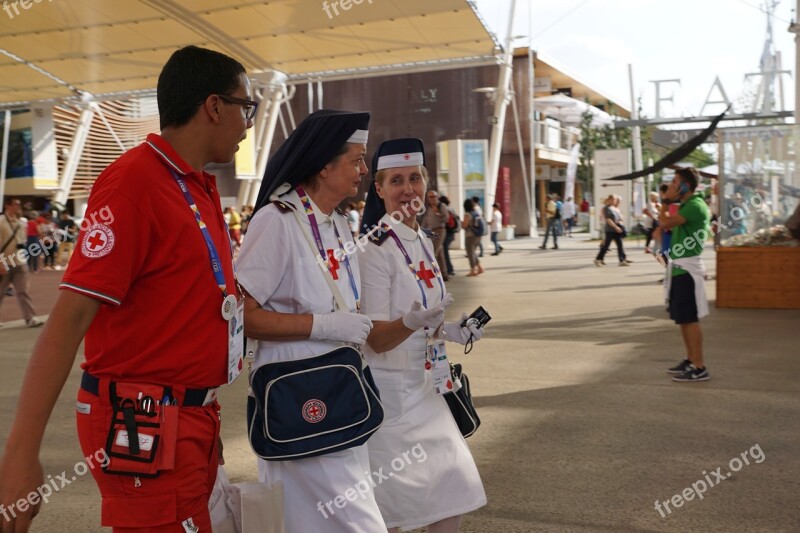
column 607, row 137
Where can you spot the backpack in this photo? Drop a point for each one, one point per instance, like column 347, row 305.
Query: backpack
column 453, row 224
column 558, row 214
column 478, row 224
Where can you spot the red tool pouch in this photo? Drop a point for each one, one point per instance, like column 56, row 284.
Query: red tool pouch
column 143, row 432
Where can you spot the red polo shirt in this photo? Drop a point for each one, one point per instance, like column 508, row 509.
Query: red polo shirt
column 146, row 257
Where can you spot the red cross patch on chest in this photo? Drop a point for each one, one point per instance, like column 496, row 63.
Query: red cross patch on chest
column 425, row 275
column 333, row 264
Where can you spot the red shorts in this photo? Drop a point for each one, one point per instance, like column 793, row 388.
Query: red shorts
column 163, row 503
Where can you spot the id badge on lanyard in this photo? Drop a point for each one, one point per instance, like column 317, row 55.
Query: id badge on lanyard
column 236, row 342
column 232, row 307
column 436, row 358
column 435, row 352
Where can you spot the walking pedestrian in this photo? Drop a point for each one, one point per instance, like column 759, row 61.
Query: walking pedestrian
column 452, row 227
column 553, row 217
column 650, row 222
column 661, row 235
column 14, row 267
column 569, row 212
column 68, row 231
column 405, row 295
column 477, row 202
column 290, row 307
column 159, row 307
column 475, row 228
column 50, row 240
column 353, row 219
column 614, row 231
column 435, row 219
column 34, row 241
column 497, row 227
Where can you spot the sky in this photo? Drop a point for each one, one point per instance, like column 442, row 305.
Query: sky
column 690, row 40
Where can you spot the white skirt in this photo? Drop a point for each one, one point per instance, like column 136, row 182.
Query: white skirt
column 326, row 493
column 421, row 464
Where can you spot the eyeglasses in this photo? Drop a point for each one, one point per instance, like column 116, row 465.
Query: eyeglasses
column 249, row 106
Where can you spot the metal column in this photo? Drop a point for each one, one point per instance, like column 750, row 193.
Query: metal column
column 4, row 157
column 75, row 152
column 500, row 105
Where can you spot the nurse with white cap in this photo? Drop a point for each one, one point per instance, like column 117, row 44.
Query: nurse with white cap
column 290, row 308
column 434, row 479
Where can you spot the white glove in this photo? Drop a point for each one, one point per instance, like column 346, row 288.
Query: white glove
column 341, row 326
column 420, row 317
column 452, row 331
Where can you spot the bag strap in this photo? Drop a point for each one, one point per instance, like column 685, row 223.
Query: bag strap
column 337, row 294
column 13, row 234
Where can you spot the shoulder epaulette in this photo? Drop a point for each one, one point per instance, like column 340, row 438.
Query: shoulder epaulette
column 378, row 236
column 283, row 207
column 429, row 233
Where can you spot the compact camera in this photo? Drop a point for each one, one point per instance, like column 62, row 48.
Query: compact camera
column 479, row 318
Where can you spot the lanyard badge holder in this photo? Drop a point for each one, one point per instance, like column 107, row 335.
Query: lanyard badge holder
column 232, row 309
column 436, row 361
column 435, row 351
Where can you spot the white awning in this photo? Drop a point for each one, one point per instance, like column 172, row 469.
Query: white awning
column 570, row 110
column 114, row 48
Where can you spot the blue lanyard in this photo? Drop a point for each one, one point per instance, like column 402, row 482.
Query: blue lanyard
column 312, row 219
column 216, row 263
column 410, row 264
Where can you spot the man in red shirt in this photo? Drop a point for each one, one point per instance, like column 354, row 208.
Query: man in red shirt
column 34, row 234
column 149, row 297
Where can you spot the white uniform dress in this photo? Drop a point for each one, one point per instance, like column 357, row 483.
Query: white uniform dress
column 276, row 267
column 446, row 482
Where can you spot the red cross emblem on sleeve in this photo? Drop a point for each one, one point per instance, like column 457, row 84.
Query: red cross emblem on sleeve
column 95, row 240
column 98, row 241
column 333, row 264
column 425, row 275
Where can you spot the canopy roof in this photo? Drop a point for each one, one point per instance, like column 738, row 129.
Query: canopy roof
column 111, row 48
column 561, row 76
column 571, row 110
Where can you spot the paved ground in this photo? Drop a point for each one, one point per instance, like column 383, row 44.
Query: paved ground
column 582, row 428
column 42, row 287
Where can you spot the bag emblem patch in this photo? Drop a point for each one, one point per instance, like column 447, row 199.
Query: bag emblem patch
column 314, row 411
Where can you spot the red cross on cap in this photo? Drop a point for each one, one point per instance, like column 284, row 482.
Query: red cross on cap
column 406, row 157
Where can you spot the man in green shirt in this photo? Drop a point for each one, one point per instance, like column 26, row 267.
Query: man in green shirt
column 685, row 280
